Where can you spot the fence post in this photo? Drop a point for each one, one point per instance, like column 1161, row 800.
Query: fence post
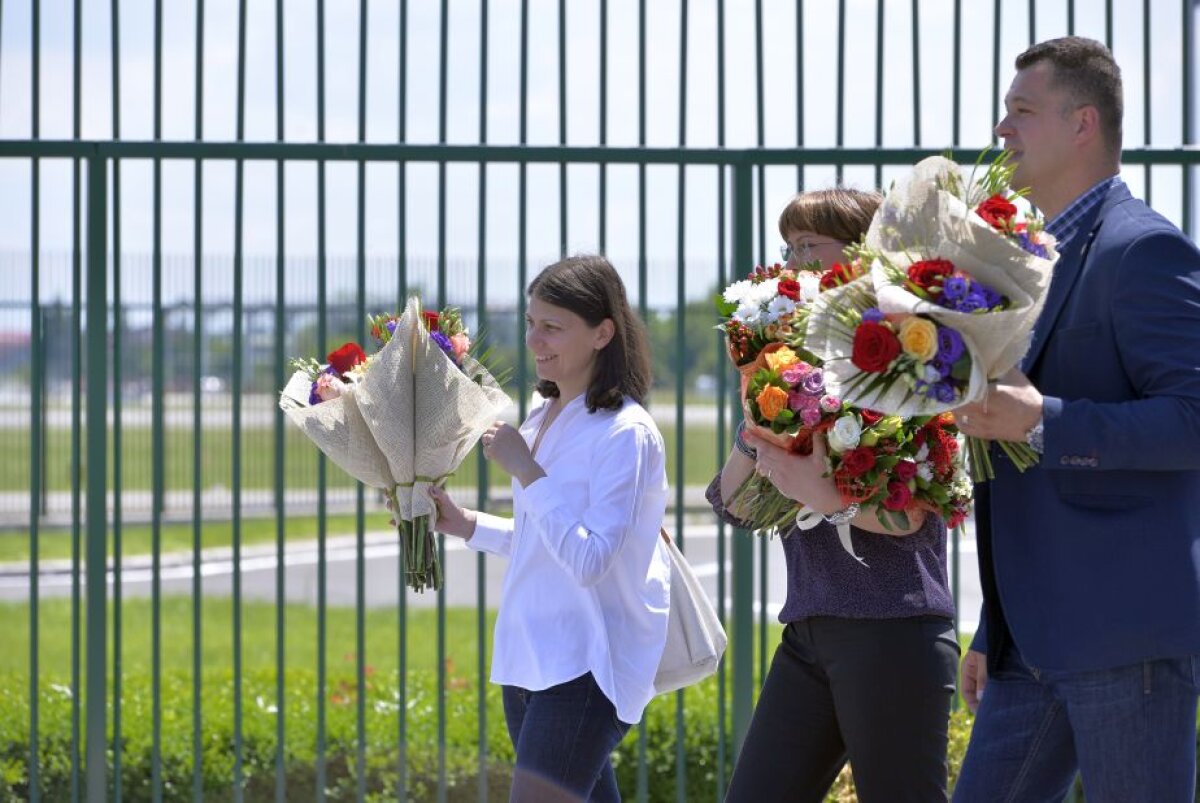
column 97, row 464
column 743, row 547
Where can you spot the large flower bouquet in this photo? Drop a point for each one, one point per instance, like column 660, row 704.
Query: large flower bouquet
column 954, row 287
column 782, row 387
column 401, row 419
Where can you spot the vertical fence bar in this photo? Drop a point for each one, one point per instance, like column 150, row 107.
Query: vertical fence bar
column 118, row 641
column 1147, row 119
column 197, row 422
column 562, row 126
column 956, row 102
column 916, row 72
column 1071, row 17
column 522, row 213
column 1032, row 21
column 1108, row 22
column 235, row 386
column 1189, row 136
column 760, row 230
column 360, row 524
column 879, row 35
column 722, row 276
column 443, row 55
column 482, row 490
column 603, row 123
column 995, row 70
column 157, row 433
column 97, row 464
column 322, row 489
column 401, row 293
column 280, row 377
column 37, row 445
column 680, row 388
column 841, row 83
column 76, row 426
column 743, row 552
column 799, row 49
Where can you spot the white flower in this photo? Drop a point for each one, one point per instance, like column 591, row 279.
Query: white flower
column 762, row 293
column 737, row 292
column 810, row 286
column 780, row 306
column 748, row 313
column 845, row 434
column 923, row 452
column 925, row 472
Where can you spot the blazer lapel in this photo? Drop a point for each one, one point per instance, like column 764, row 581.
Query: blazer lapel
column 1066, row 272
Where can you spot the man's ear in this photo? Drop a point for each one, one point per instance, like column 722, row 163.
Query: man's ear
column 604, row 333
column 1086, row 124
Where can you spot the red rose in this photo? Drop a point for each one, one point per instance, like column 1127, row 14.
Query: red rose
column 431, row 321
column 875, row 346
column 789, row 288
column 929, row 272
column 898, row 496
column 906, row 470
column 997, row 211
column 839, row 274
column 870, row 418
column 856, row 462
column 346, row 357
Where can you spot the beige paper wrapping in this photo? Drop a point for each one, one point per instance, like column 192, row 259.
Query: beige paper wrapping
column 425, row 413
column 413, row 414
column 338, row 429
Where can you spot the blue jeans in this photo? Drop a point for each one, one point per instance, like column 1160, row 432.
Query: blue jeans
column 564, row 737
column 1130, row 732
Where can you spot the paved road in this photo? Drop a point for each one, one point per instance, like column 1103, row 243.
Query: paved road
column 381, row 562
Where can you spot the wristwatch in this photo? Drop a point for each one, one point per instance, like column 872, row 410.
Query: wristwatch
column 1034, row 437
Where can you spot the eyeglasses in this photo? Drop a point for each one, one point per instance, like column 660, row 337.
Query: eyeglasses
column 803, row 252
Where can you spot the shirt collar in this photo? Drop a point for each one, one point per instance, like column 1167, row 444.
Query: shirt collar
column 1066, row 223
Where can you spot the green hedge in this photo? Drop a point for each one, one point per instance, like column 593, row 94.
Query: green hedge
column 381, row 722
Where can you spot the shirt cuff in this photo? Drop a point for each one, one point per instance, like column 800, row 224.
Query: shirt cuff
column 493, row 534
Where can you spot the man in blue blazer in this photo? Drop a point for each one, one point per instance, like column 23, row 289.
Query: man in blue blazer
column 1089, row 640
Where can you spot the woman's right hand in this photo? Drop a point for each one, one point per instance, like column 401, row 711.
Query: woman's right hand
column 452, row 519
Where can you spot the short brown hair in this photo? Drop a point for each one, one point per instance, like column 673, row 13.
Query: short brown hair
column 589, row 286
column 841, row 213
column 1086, row 70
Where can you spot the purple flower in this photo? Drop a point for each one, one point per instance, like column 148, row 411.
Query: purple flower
column 950, row 345
column 313, row 398
column 944, row 369
column 992, row 298
column 872, row 315
column 944, row 392
column 814, row 382
column 1027, row 243
column 443, row 343
column 391, row 326
column 972, row 301
column 954, row 288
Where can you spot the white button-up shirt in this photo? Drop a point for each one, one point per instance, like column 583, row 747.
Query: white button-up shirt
column 588, row 584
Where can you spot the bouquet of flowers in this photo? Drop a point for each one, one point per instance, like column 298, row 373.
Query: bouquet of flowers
column 954, row 287
column 402, row 419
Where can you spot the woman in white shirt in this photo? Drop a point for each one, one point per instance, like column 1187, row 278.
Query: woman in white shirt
column 583, row 613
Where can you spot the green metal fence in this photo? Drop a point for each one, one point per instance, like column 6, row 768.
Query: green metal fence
column 104, row 699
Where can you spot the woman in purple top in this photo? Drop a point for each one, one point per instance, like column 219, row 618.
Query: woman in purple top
column 866, row 668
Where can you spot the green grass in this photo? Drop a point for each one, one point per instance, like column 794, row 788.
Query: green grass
column 258, row 460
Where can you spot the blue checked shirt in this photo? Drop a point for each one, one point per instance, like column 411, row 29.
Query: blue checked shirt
column 1065, row 224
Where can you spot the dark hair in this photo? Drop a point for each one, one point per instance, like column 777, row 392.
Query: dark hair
column 589, row 286
column 1086, row 70
column 841, row 213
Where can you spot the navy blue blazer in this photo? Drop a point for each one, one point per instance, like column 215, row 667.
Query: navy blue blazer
column 1094, row 555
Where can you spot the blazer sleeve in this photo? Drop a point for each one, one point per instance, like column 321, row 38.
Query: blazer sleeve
column 1155, row 309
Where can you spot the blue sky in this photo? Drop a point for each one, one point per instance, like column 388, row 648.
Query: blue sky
column 817, row 50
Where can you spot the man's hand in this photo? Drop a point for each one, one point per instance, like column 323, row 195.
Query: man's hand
column 973, row 678
column 1010, row 409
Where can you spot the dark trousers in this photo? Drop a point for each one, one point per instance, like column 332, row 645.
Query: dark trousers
column 564, row 737
column 874, row 691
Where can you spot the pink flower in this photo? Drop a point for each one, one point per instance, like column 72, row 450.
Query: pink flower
column 800, row 401
column 796, row 372
column 811, row 416
column 830, row 404
column 460, row 343
column 329, row 387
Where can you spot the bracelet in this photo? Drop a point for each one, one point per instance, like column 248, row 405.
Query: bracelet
column 741, row 445
column 843, row 516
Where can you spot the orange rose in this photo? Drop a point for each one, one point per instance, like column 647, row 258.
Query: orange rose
column 772, row 401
